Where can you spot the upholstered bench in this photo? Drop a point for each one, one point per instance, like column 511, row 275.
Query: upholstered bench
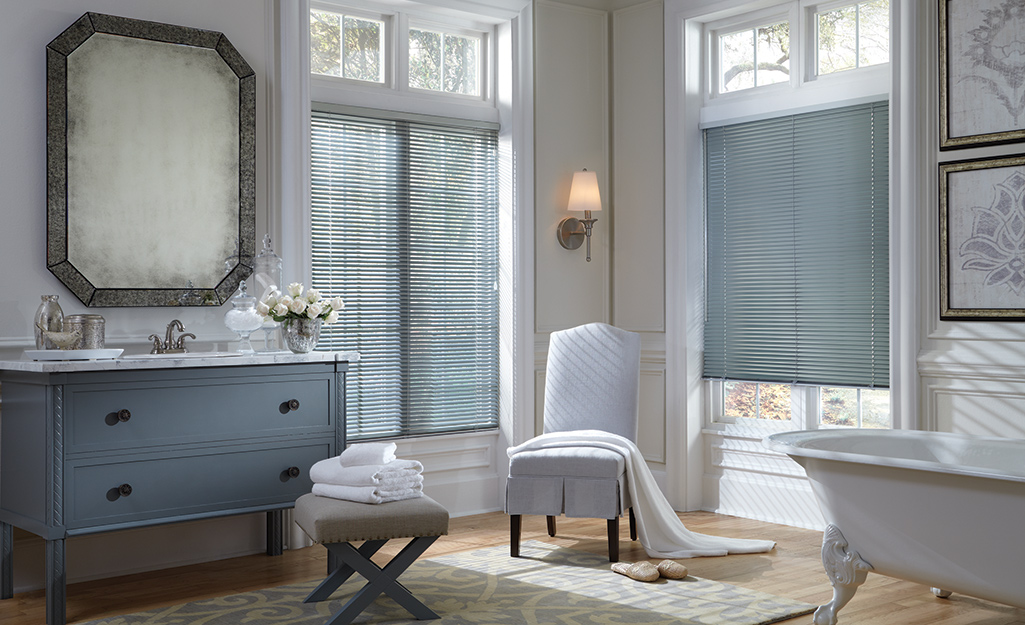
column 335, row 524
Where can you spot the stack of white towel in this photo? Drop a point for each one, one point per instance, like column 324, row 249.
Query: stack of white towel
column 368, row 473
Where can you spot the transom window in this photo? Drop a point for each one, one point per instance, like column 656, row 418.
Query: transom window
column 347, row 46
column 442, row 61
column 853, row 36
column 792, row 44
column 754, row 57
column 394, row 51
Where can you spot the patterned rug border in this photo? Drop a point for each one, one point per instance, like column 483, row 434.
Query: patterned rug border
column 547, row 584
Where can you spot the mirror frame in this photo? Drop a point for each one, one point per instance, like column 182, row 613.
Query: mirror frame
column 57, row 52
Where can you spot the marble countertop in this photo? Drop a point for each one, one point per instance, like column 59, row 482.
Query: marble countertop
column 171, row 361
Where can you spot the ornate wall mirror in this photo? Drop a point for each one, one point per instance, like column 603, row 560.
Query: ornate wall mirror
column 151, row 163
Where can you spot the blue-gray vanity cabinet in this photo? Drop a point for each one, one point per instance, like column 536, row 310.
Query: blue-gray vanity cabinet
column 86, row 450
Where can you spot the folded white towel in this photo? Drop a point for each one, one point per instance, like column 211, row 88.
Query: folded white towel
column 329, row 471
column 400, row 483
column 365, row 494
column 367, row 453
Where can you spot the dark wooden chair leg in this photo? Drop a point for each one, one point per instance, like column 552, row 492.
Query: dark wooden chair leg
column 515, row 523
column 551, row 526
column 614, row 539
column 633, row 525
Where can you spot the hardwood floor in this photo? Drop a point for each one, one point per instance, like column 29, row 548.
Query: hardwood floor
column 793, row 570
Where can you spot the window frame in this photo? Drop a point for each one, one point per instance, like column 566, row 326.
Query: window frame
column 878, row 72
column 805, row 91
column 483, row 65
column 396, row 64
column 511, row 30
column 805, row 88
column 805, row 408
column 406, row 421
column 715, row 30
column 387, row 45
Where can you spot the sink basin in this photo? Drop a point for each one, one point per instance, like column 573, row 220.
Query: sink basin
column 185, row 355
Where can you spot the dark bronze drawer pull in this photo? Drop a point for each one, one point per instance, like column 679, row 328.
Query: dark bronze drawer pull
column 124, row 415
column 118, row 492
column 293, row 404
column 293, row 472
column 288, row 406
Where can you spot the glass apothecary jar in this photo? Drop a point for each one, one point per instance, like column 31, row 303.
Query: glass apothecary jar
column 243, row 319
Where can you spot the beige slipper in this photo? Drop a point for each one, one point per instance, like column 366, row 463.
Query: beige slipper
column 641, row 571
column 671, row 570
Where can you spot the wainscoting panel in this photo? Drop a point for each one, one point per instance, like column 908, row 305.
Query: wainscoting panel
column 744, row 478
column 460, row 470
column 651, row 424
column 976, row 411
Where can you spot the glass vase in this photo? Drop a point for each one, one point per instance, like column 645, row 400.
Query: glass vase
column 49, row 317
column 301, row 334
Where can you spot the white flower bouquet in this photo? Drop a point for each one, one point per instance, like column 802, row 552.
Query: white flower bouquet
column 295, row 305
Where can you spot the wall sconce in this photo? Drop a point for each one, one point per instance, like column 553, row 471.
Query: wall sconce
column 583, row 196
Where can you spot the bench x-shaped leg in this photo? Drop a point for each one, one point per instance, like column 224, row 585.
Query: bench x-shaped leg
column 378, row 580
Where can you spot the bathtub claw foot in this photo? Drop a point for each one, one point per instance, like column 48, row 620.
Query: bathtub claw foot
column 846, row 571
column 942, row 594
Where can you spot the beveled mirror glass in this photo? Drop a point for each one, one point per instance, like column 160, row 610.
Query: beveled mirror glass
column 151, row 158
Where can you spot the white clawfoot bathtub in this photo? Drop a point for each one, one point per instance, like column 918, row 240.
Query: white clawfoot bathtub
column 944, row 510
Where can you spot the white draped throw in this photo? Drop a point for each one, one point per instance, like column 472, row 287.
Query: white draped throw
column 661, row 532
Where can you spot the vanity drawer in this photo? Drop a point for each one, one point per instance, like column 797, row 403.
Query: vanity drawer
column 184, row 485
column 145, row 414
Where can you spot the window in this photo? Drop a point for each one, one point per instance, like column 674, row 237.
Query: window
column 792, row 44
column 405, row 229
column 347, row 46
column 797, row 264
column 440, row 61
column 754, row 57
column 392, row 52
column 853, row 36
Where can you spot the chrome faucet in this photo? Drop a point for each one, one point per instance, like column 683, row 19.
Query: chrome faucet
column 171, row 345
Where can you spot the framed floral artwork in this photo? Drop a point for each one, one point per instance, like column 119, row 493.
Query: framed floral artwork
column 982, row 239
column 982, row 72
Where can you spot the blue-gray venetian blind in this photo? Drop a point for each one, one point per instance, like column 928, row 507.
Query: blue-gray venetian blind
column 405, row 229
column 797, row 238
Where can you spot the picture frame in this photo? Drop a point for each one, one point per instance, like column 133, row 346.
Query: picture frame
column 982, row 238
column 981, row 97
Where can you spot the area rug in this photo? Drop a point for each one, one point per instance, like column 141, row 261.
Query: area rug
column 546, row 585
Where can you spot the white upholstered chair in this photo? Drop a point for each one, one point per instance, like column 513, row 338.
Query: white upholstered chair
column 591, row 383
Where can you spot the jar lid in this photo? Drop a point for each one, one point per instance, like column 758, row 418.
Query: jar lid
column 85, row 318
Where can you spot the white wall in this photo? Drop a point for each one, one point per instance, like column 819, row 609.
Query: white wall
column 598, row 105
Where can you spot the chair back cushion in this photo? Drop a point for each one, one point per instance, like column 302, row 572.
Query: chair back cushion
column 592, row 380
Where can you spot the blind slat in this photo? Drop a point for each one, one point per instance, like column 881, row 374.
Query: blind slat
column 405, row 229
column 797, row 258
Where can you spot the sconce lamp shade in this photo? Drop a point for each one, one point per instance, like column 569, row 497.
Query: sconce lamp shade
column 583, row 192
column 583, row 196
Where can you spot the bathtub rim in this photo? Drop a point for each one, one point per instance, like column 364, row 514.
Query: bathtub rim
column 793, row 444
